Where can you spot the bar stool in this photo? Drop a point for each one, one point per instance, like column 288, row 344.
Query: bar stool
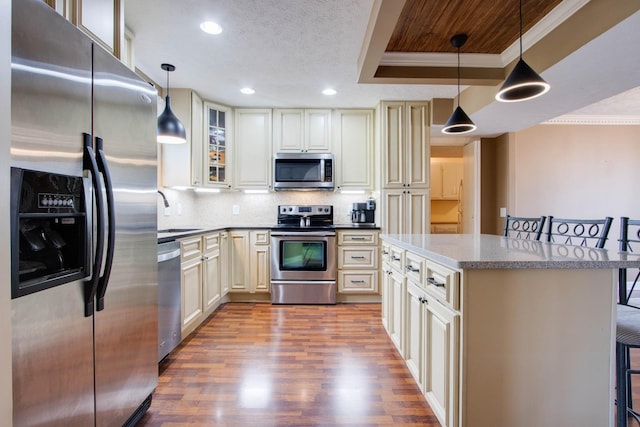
column 627, row 337
column 627, row 326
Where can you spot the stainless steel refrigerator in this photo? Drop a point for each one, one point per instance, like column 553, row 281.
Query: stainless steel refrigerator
column 83, row 238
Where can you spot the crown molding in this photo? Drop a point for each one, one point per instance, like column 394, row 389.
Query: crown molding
column 577, row 119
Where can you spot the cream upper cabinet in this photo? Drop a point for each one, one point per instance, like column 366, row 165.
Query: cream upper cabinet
column 182, row 163
column 354, row 149
column 216, row 147
column 252, row 149
column 406, row 211
column 404, row 135
column 301, row 130
column 446, row 178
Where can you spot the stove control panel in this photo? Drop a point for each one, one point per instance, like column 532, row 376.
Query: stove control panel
column 307, row 210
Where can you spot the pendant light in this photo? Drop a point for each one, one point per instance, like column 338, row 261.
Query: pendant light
column 523, row 82
column 170, row 129
column 459, row 123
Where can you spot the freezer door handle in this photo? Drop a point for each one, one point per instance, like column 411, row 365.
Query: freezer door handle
column 91, row 285
column 111, row 218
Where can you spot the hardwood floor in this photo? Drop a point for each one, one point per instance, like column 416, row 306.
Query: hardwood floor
column 273, row 365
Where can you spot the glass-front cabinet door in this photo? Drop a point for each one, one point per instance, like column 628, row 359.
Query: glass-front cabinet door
column 217, row 137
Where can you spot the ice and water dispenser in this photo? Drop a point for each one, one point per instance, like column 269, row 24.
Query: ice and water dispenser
column 49, row 235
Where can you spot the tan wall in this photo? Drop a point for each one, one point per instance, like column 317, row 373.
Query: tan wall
column 5, row 278
column 495, row 183
column 577, row 171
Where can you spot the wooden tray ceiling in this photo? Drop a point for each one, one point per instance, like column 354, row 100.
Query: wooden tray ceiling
column 492, row 26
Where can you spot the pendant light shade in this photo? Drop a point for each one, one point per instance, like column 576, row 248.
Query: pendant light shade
column 523, row 82
column 459, row 122
column 170, row 129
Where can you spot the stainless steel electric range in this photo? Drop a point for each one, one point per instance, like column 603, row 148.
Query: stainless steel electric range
column 303, row 256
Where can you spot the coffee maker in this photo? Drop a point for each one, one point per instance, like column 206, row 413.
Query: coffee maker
column 363, row 213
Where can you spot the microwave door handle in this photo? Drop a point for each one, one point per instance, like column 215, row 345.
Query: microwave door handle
column 91, row 285
column 111, row 218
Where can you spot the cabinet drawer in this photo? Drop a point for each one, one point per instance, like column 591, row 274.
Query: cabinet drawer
column 359, row 257
column 442, row 283
column 260, row 237
column 414, row 267
column 211, row 242
column 358, row 237
column 396, row 258
column 358, row 282
column 190, row 248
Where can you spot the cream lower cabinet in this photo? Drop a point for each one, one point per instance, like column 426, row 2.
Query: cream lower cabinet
column 191, row 284
column 406, row 211
column 211, row 272
column 249, row 261
column 200, row 279
column 422, row 322
column 224, row 263
column 385, row 283
column 358, row 261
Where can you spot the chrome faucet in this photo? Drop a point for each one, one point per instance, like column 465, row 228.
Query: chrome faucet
column 166, row 202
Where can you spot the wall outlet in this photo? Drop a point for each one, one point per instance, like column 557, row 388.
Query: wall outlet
column 503, row 212
column 179, row 208
column 167, row 211
column 236, row 209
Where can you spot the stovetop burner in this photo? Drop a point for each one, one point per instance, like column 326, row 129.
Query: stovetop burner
column 305, row 217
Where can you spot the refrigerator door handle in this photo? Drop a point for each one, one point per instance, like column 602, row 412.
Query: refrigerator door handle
column 111, row 227
column 91, row 285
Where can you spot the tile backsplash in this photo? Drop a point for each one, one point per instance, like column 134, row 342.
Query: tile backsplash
column 188, row 208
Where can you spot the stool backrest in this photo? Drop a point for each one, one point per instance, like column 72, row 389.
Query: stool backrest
column 519, row 227
column 580, row 232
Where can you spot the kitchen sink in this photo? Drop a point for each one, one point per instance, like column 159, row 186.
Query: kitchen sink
column 177, row 230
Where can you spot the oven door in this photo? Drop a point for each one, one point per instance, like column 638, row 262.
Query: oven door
column 303, row 256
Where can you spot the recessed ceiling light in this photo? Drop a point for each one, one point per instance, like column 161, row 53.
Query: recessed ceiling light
column 210, row 27
column 247, row 91
column 329, row 92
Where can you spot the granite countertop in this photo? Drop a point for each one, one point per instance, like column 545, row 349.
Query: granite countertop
column 171, row 234
column 485, row 251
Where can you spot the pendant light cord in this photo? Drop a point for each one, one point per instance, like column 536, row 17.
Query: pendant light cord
column 520, row 29
column 458, row 76
column 167, row 82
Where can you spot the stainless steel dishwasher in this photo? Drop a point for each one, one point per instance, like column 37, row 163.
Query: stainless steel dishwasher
column 169, row 335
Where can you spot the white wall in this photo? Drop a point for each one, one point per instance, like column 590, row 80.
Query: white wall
column 5, row 278
column 578, row 172
column 211, row 210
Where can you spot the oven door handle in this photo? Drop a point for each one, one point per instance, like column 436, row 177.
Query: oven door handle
column 303, row 233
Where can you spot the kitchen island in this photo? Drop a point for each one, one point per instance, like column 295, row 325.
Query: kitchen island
column 505, row 332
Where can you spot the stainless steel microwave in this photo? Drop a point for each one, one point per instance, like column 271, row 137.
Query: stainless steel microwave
column 303, row 171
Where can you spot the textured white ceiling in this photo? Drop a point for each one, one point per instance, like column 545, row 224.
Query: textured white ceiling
column 290, row 50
